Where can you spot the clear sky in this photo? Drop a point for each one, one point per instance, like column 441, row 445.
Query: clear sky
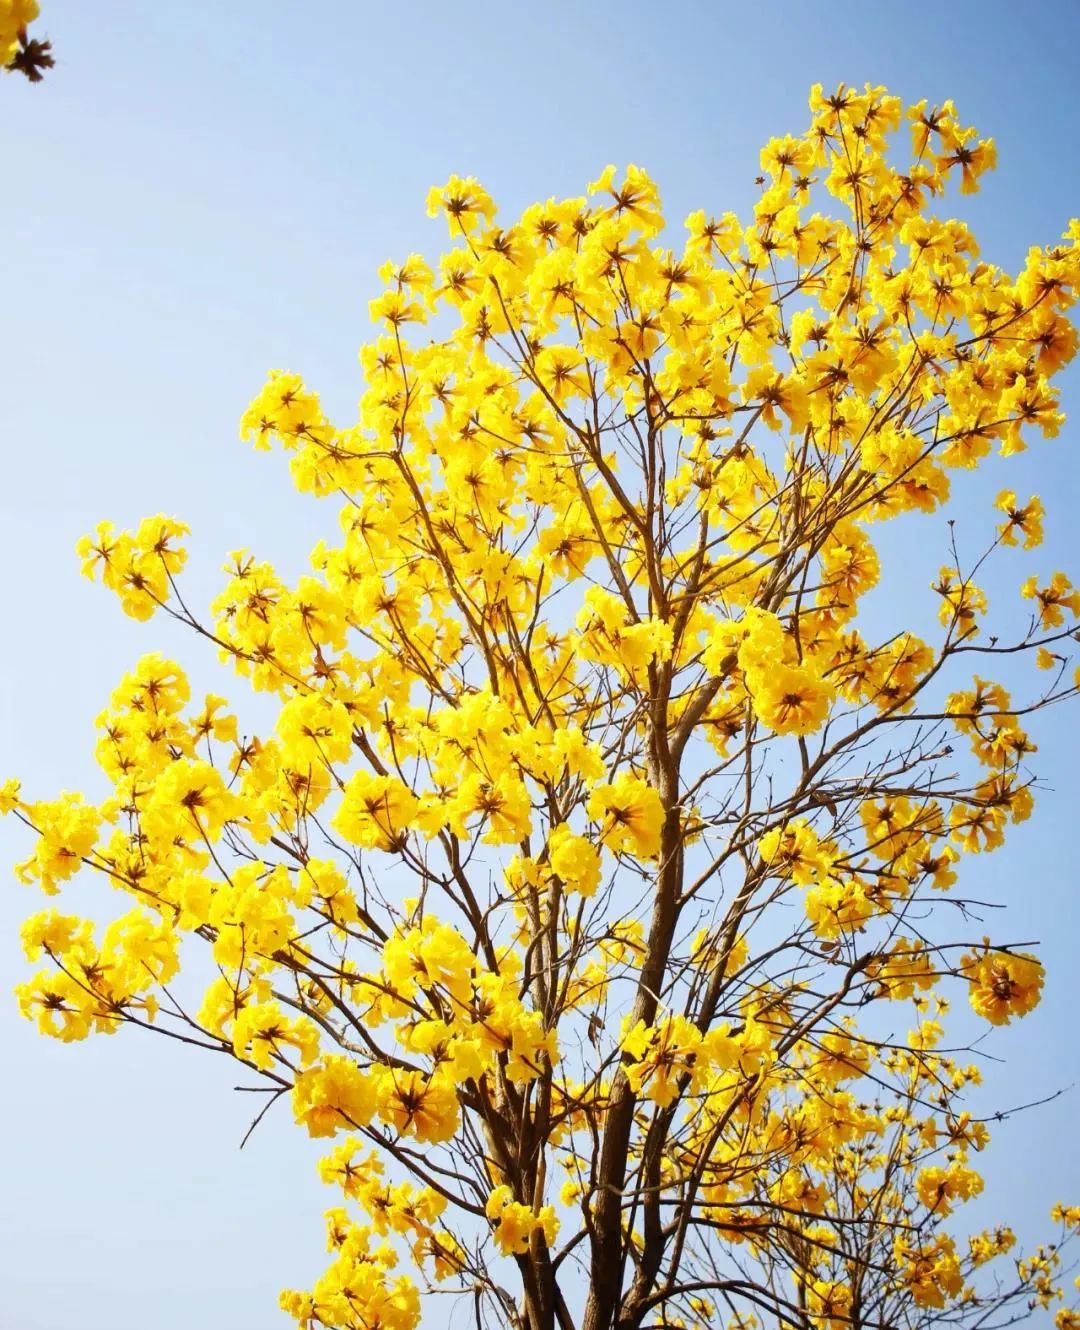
column 201, row 191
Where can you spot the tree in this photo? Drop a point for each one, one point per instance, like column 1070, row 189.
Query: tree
column 603, row 822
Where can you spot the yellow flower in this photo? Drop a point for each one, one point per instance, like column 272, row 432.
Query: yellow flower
column 630, row 815
column 67, row 832
column 939, row 1188
column 15, row 17
column 514, row 1223
column 333, row 1096
column 575, row 860
column 661, row 1055
column 463, row 203
column 1024, row 520
column 791, row 699
column 262, row 1034
column 1053, row 598
column 433, row 955
column 9, row 796
column 375, row 811
column 424, row 1107
column 1002, row 984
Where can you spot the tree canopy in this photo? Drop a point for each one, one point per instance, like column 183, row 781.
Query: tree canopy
column 608, row 832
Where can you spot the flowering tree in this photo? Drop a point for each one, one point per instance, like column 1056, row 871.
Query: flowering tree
column 601, row 826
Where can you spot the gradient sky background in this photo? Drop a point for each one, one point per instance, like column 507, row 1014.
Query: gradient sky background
column 201, row 191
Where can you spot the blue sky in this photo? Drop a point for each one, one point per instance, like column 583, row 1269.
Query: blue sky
column 201, row 191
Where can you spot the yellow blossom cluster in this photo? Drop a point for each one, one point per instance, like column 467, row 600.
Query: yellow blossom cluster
column 15, row 17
